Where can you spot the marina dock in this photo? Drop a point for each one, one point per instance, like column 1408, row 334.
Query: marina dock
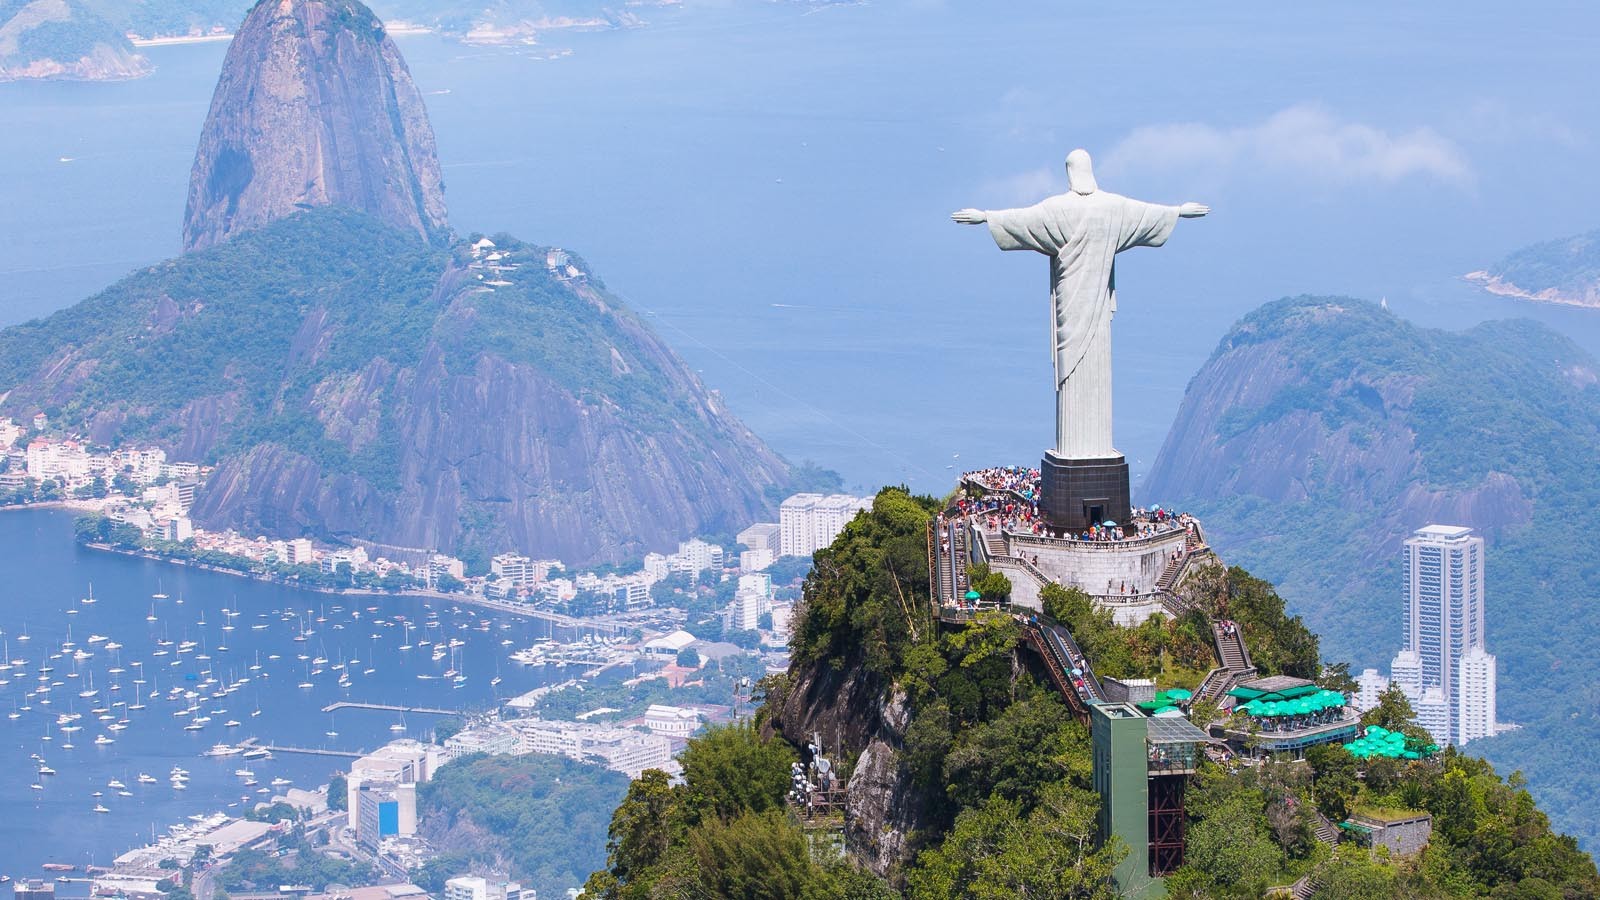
column 254, row 743
column 384, row 707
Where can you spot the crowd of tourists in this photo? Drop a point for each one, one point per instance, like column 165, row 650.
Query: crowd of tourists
column 1000, row 509
column 1002, row 512
column 1019, row 480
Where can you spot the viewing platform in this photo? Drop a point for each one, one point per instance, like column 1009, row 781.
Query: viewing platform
column 1136, row 568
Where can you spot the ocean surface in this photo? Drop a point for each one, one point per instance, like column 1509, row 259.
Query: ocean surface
column 770, row 184
column 243, row 634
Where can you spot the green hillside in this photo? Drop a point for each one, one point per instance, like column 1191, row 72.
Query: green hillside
column 350, row 381
column 1324, row 430
column 994, row 773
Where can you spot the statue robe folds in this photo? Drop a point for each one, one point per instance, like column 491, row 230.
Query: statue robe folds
column 1082, row 234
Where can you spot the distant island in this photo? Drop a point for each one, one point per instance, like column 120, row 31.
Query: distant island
column 1564, row 271
column 74, row 40
column 64, row 40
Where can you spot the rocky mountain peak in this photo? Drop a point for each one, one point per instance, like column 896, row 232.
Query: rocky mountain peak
column 314, row 107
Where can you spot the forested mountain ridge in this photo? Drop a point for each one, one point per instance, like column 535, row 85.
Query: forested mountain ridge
column 1322, row 431
column 968, row 777
column 351, row 382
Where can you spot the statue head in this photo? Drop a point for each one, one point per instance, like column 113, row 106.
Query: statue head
column 1080, row 172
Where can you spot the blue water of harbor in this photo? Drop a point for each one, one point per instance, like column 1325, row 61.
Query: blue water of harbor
column 47, row 581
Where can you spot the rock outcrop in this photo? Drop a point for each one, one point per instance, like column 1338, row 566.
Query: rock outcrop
column 862, row 715
column 63, row 40
column 315, row 107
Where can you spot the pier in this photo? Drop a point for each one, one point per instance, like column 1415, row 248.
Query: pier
column 255, row 743
column 384, row 707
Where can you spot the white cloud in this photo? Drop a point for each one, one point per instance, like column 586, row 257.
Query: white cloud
column 1300, row 140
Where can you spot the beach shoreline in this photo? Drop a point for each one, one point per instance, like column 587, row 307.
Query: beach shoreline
column 521, row 609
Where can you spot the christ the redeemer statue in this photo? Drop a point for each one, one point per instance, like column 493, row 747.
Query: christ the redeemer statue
column 1082, row 231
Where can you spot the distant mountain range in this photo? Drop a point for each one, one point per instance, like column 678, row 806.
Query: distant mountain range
column 356, row 371
column 89, row 39
column 1565, row 271
column 1323, row 430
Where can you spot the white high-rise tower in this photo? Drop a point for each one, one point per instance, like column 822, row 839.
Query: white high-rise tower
column 1475, row 713
column 1444, row 623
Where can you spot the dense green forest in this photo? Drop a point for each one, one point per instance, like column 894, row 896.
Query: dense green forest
column 540, row 819
column 1507, row 403
column 1003, row 772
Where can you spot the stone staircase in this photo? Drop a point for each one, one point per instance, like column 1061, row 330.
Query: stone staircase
column 1305, row 888
column 996, row 545
column 1326, row 832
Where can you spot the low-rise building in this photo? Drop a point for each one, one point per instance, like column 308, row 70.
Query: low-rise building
column 669, row 721
column 1404, row 832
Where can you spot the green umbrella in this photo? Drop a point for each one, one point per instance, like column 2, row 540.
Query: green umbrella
column 1168, row 711
column 974, row 595
column 1180, row 694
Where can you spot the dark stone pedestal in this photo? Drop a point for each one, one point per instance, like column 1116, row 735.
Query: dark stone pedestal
column 1078, row 493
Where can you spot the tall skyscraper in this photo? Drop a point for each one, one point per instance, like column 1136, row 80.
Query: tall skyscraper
column 1443, row 624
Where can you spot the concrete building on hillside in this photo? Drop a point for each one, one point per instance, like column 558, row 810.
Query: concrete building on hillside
column 385, row 809
column 1370, row 685
column 695, row 556
column 1475, row 706
column 809, row 522
column 763, row 536
column 1444, row 623
column 744, row 611
column 513, row 567
column 472, row 887
column 400, row 762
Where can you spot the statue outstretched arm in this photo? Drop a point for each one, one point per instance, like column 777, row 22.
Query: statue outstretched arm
column 1192, row 210
column 969, row 216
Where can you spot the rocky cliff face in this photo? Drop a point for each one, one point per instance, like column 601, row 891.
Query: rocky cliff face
column 850, row 709
column 65, row 40
column 315, row 107
column 351, row 383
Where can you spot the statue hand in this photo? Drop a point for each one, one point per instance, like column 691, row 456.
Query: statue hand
column 969, row 216
column 1193, row 210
